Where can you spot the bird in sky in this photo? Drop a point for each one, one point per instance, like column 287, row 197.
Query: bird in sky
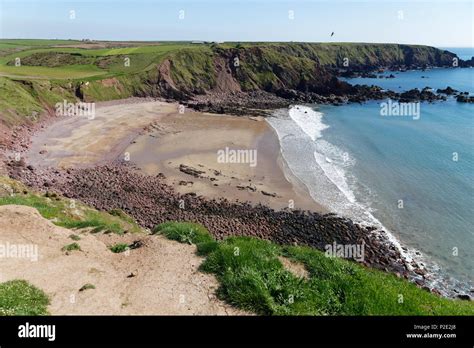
column 332, row 34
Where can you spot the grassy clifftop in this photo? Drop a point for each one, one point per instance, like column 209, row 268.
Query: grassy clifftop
column 366, row 55
column 34, row 75
column 271, row 279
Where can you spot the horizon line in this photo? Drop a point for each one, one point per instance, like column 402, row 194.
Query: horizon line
column 243, row 41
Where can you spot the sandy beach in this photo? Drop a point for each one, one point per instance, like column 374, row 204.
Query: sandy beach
column 174, row 171
column 156, row 138
column 186, row 147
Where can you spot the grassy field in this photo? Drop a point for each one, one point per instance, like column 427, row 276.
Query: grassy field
column 109, row 61
column 252, row 277
column 37, row 42
column 104, row 62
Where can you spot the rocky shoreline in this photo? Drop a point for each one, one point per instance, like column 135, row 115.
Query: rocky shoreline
column 151, row 201
column 262, row 103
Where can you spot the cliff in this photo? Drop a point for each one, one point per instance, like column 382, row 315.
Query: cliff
column 184, row 73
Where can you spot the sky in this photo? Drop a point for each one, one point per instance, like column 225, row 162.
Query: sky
column 441, row 23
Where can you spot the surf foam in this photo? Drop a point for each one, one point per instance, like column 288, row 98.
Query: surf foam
column 325, row 171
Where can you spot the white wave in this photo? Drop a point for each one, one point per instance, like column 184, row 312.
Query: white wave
column 335, row 174
column 309, row 120
column 325, row 170
column 328, row 161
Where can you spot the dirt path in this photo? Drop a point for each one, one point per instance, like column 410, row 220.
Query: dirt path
column 161, row 277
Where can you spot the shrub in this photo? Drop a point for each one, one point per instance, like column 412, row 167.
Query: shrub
column 71, row 247
column 119, row 248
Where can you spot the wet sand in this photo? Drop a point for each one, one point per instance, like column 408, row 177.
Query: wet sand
column 193, row 139
column 156, row 138
column 77, row 141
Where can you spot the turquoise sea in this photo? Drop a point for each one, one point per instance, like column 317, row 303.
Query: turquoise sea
column 414, row 177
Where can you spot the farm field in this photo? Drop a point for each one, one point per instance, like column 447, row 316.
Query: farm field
column 68, row 59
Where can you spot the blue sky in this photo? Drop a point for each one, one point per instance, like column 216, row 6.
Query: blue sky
column 438, row 23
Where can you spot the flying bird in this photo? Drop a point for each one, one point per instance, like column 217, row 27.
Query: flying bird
column 332, row 34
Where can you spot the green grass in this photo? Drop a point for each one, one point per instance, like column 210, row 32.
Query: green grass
column 71, row 247
column 18, row 297
column 253, row 278
column 122, row 215
column 68, row 72
column 119, row 248
column 50, row 72
column 184, row 232
column 22, row 102
column 16, row 99
column 40, row 62
column 67, row 213
column 191, row 62
column 37, row 42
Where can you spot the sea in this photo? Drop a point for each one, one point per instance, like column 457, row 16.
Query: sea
column 410, row 175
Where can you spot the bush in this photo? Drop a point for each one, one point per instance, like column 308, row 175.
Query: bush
column 71, row 247
column 119, row 248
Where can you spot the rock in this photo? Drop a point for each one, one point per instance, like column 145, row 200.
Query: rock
column 448, row 91
column 150, row 202
column 50, row 194
column 133, row 274
column 420, row 271
column 251, row 188
column 136, row 244
column 190, row 170
column 464, row 297
column 465, row 99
